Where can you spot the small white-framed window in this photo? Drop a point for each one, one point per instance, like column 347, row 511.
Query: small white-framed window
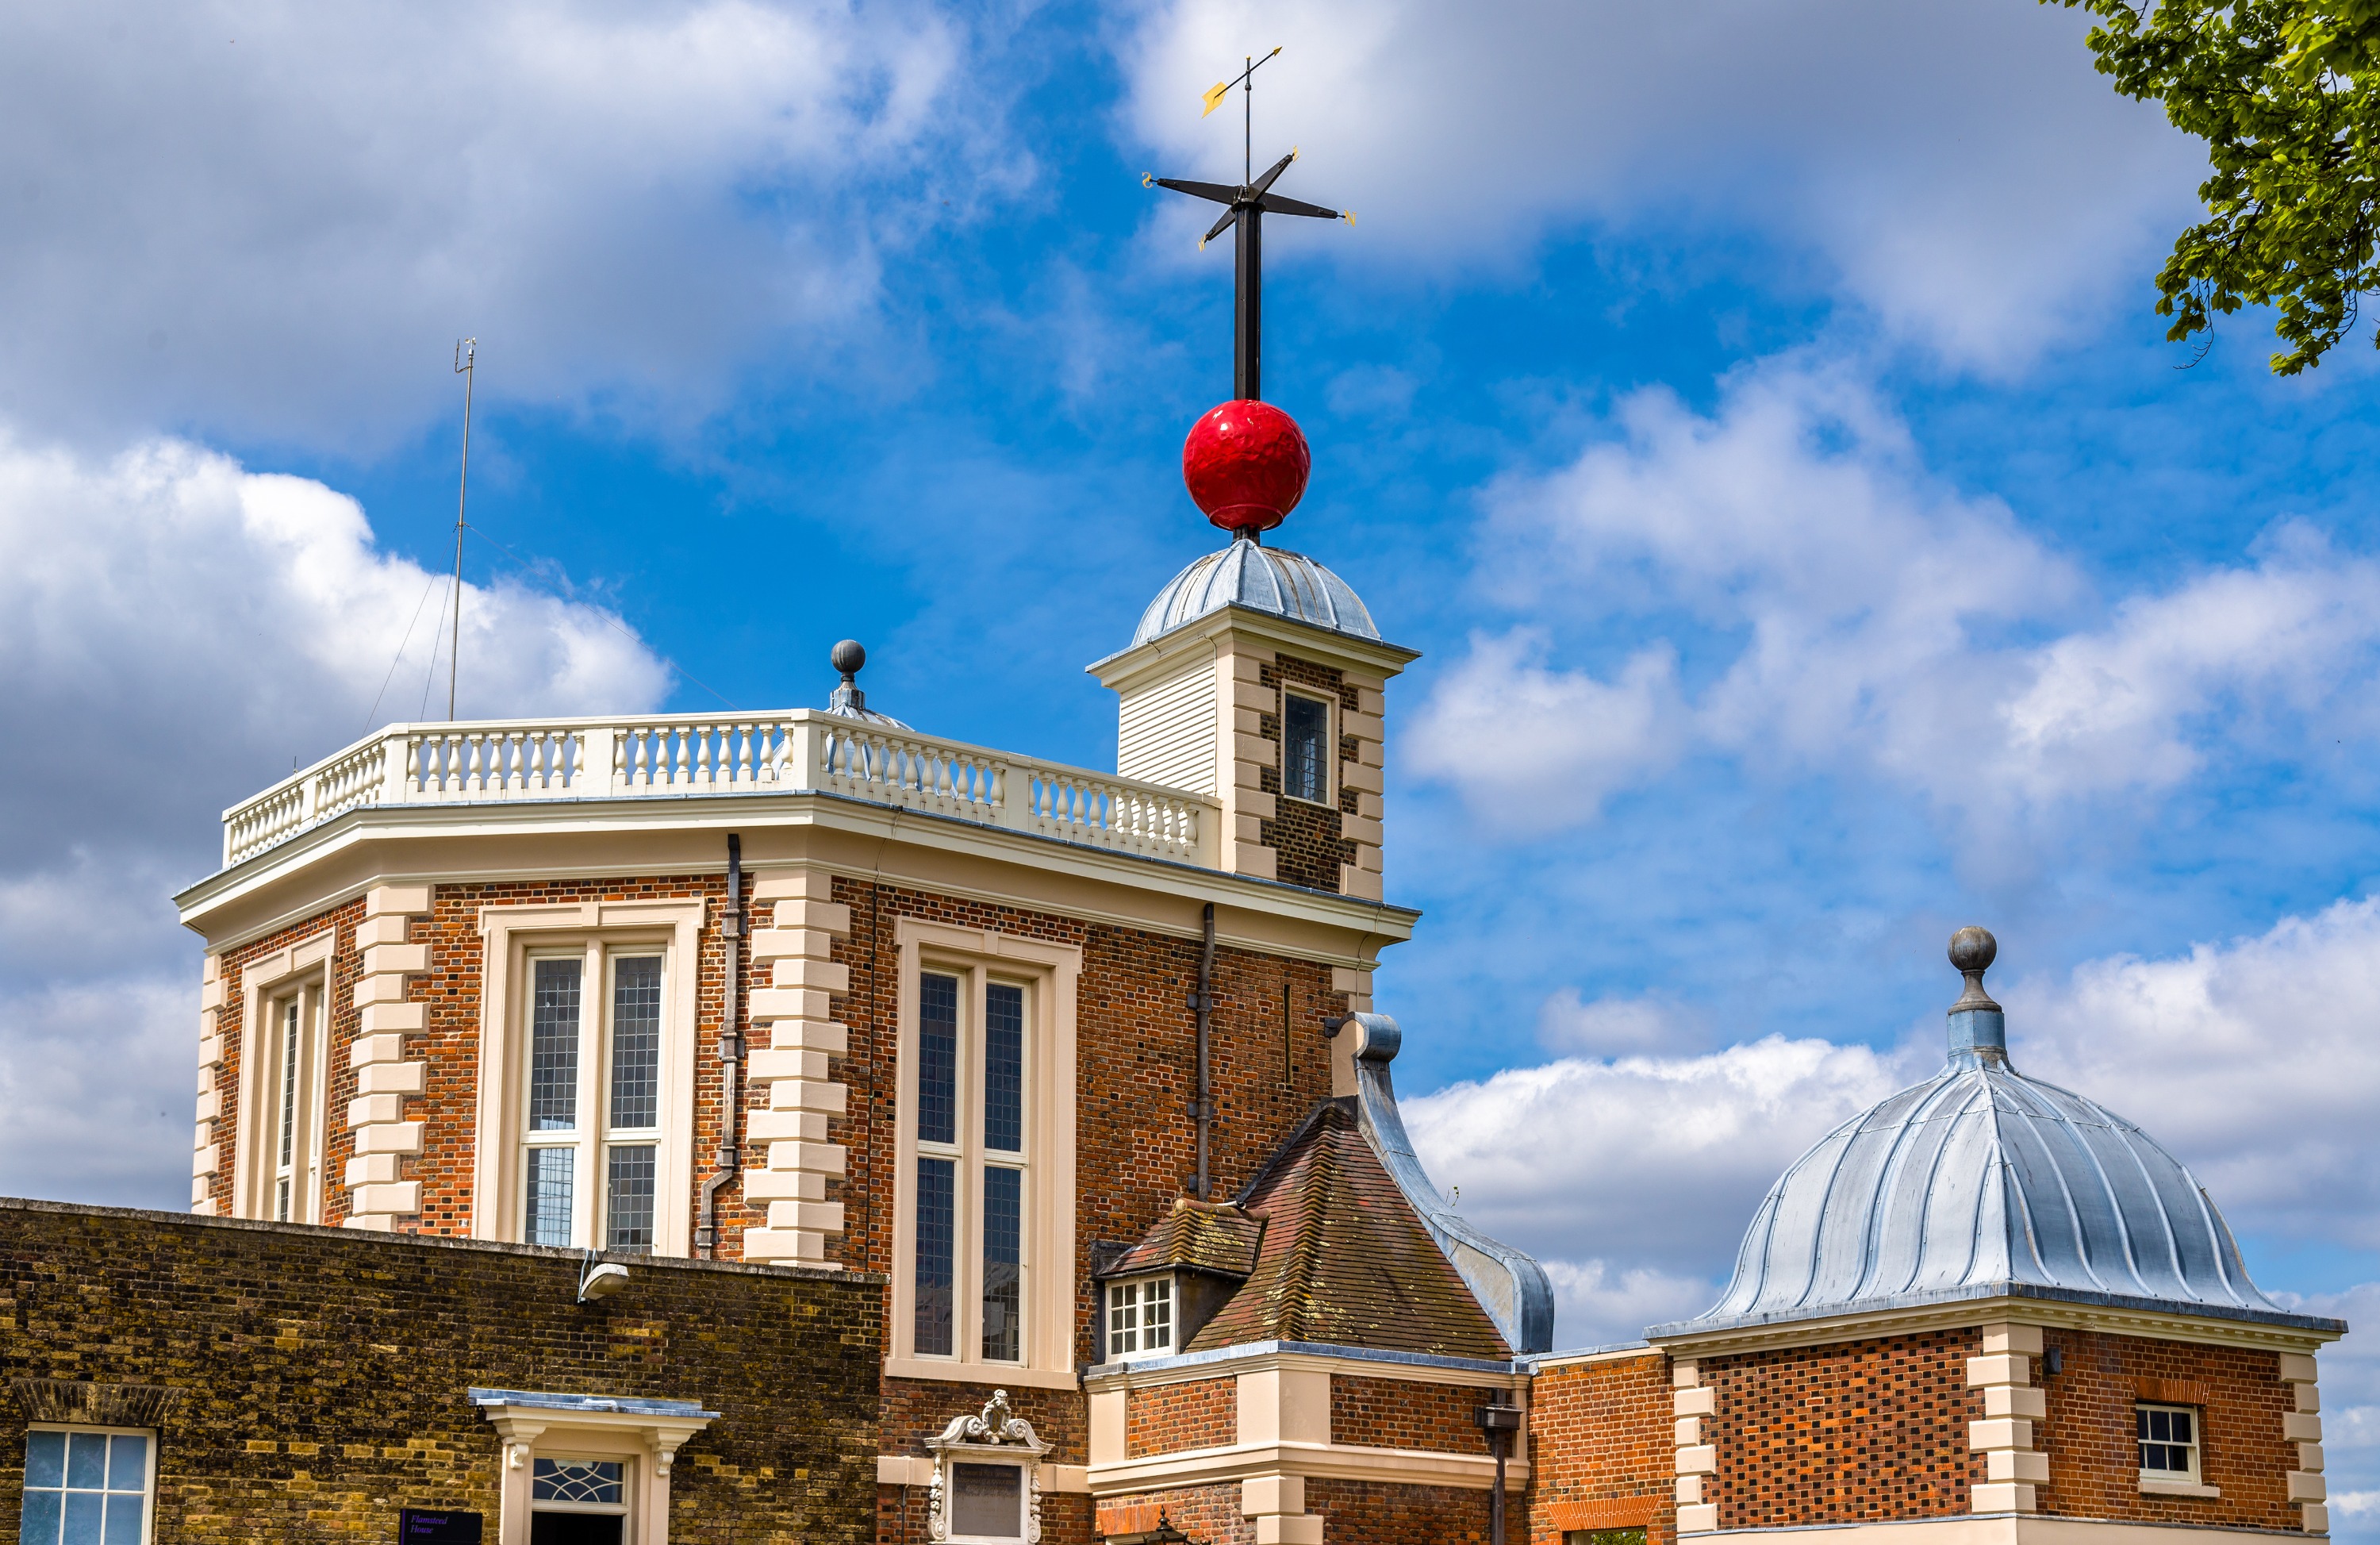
column 1141, row 1317
column 294, row 1097
column 579, row 1501
column 970, row 1088
column 590, row 1086
column 2168, row 1440
column 88, row 1486
column 1305, row 747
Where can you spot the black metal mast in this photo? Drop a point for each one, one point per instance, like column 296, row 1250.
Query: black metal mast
column 1247, row 205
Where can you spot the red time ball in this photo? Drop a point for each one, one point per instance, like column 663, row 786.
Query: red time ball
column 1246, row 464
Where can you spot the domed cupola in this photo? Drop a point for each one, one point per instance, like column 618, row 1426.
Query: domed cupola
column 1981, row 1183
column 1244, row 572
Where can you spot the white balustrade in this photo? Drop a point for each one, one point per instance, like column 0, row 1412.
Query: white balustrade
column 683, row 755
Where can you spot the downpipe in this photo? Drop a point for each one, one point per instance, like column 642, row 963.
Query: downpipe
column 730, row 1054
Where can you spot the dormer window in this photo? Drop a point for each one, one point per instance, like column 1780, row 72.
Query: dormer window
column 1140, row 1318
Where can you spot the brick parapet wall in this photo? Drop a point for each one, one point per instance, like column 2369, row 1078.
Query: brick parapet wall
column 1397, row 1413
column 1163, row 1419
column 2090, row 1436
column 1599, row 1437
column 322, row 1371
column 1850, row 1432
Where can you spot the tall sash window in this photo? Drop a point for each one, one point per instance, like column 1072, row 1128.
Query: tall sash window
column 591, row 1125
column 972, row 1162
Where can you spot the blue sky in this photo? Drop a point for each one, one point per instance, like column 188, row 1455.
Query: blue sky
column 1756, row 413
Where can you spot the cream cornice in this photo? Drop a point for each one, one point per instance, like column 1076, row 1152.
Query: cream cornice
column 567, row 839
column 1300, row 638
column 1546, row 1361
column 1313, row 1461
column 2052, row 1313
column 1139, row 1376
column 1999, row 1529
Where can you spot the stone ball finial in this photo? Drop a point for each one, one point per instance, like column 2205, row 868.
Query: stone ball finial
column 1972, row 950
column 848, row 657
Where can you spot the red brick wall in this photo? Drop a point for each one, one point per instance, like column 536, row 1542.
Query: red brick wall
column 1379, row 1513
column 2092, row 1443
column 1209, row 1515
column 346, row 965
column 1396, row 1413
column 1600, row 1434
column 1134, row 1059
column 1838, row 1434
column 451, row 1043
column 1163, row 1417
column 1307, row 835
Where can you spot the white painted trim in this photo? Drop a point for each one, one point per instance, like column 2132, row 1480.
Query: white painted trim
column 600, row 927
column 304, row 966
column 1046, row 1300
column 2148, row 1324
column 1128, row 1376
column 648, row 1443
column 1313, row 1461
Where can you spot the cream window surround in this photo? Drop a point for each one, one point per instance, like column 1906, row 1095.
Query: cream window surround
column 302, row 972
column 643, row 1435
column 1049, row 973
column 603, row 930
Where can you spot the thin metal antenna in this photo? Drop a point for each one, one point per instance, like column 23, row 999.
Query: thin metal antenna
column 467, row 355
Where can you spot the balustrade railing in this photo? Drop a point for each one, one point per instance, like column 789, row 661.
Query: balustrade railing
column 800, row 752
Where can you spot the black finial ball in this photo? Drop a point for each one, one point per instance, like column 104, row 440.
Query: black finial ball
column 1974, row 949
column 848, row 657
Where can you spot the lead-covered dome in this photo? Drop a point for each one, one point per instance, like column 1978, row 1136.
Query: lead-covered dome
column 1980, row 1182
column 1245, row 573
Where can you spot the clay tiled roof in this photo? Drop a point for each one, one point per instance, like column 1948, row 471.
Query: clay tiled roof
column 1195, row 1237
column 1343, row 1259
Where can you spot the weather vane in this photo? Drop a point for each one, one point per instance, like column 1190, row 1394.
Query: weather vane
column 1246, row 206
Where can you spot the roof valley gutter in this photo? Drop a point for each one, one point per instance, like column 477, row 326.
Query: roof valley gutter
column 731, row 1053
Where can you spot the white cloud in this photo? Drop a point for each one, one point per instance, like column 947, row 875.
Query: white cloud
column 1649, row 1163
column 1614, row 1027
column 1886, row 140
column 178, row 630
column 1596, row 1304
column 274, row 220
column 1849, row 610
column 1511, row 732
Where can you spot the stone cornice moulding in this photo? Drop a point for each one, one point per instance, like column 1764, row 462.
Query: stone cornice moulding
column 2005, row 1528
column 1549, row 1362
column 1186, row 1467
column 1974, row 1313
column 1323, row 646
column 1171, row 892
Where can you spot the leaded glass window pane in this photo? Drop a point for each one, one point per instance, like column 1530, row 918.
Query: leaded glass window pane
column 554, row 1047
column 938, row 1059
column 936, row 1215
column 629, row 1199
column 546, row 1215
column 1003, row 1216
column 1305, row 727
column 1004, row 1068
column 637, row 1041
column 593, row 1481
column 987, row 1500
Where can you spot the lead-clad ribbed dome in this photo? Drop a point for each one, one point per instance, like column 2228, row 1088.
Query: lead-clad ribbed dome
column 1984, row 1180
column 1244, row 572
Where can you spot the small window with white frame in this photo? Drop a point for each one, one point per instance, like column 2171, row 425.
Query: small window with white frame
column 2168, row 1440
column 1305, row 756
column 591, row 1089
column 88, row 1486
column 1140, row 1319
column 579, row 1501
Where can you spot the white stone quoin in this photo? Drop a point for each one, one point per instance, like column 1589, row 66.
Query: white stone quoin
column 795, row 1041
column 378, row 1194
